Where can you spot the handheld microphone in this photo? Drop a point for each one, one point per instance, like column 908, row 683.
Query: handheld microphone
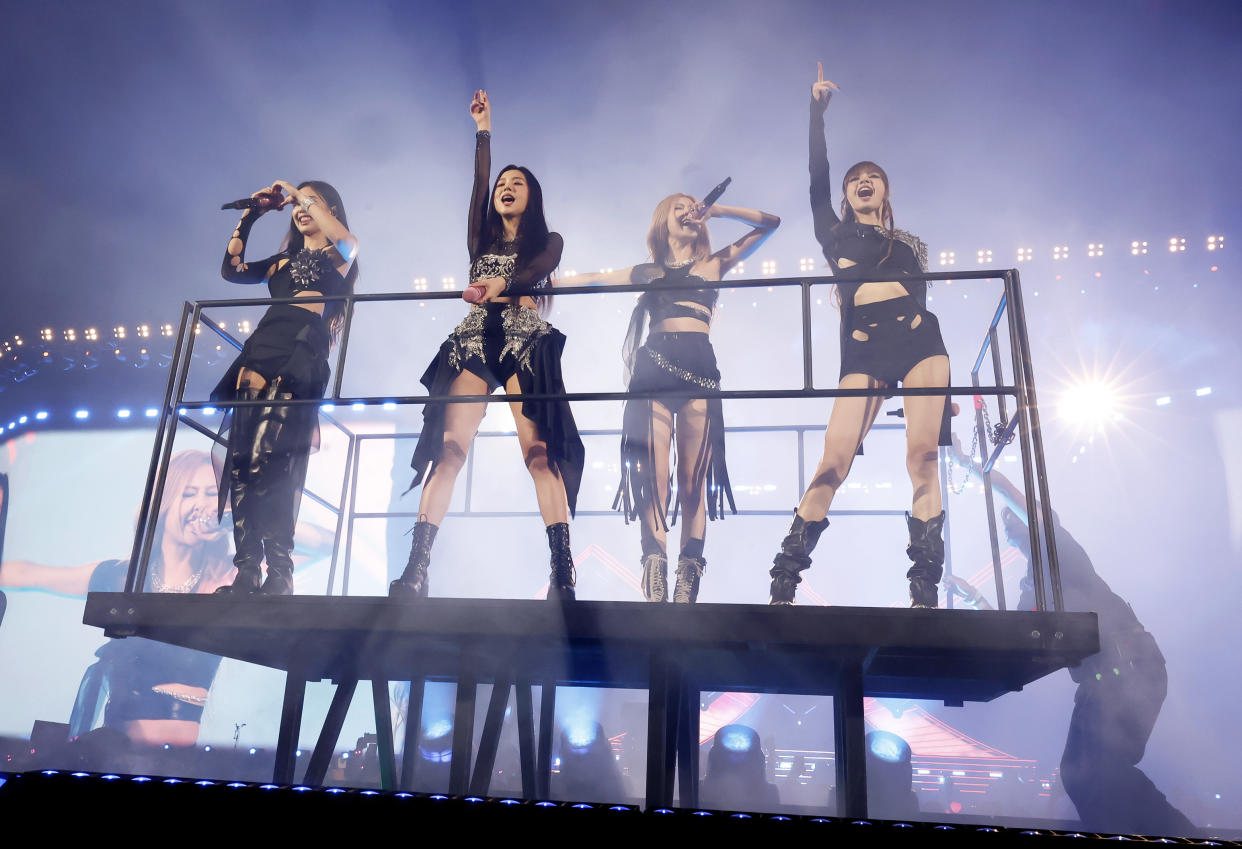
column 474, row 293
column 267, row 201
column 714, row 194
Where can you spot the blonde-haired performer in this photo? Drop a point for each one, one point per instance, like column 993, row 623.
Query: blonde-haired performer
column 674, row 354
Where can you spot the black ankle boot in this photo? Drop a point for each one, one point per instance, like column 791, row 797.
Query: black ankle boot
column 561, row 581
column 794, row 558
column 655, row 570
column 279, row 580
column 926, row 550
column 413, row 582
column 689, row 570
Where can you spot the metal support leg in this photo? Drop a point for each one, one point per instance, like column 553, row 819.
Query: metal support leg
column 526, row 736
column 661, row 712
column 485, row 761
column 413, row 725
column 463, row 729
column 547, row 716
column 383, row 734
column 688, row 744
column 850, row 731
column 321, row 758
column 290, row 726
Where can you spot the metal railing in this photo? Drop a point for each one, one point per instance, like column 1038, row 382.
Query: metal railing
column 1024, row 424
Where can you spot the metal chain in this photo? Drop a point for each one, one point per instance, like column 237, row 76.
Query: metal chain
column 994, row 433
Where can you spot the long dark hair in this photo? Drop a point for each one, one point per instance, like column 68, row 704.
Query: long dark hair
column 532, row 234
column 333, row 311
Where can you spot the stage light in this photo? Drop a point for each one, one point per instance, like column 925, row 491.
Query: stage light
column 166, row 330
column 118, row 332
column 144, row 330
column 151, row 412
column 738, row 270
column 1094, row 250
column 122, row 413
column 327, row 408
column 389, row 405
column 22, row 420
column 82, row 414
column 1164, row 401
column 71, row 335
column 41, row 415
column 448, row 283
column 1060, row 252
column 1215, row 243
column 243, row 326
column 806, row 264
column 91, row 334
column 569, row 273
column 1177, row 244
column 737, row 738
column 420, row 284
column 209, row 411
column 769, row 267
column 17, row 340
column 1137, row 248
column 357, row 406
column 888, row 747
column 948, row 258
column 1088, row 405
column 47, row 335
column 983, row 257
column 1203, row 390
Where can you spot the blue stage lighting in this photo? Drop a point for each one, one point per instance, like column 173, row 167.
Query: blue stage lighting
column 82, row 414
column 738, row 738
column 438, row 728
column 209, row 411
column 152, row 412
column 41, row 415
column 888, row 746
column 22, row 420
column 581, row 735
column 122, row 413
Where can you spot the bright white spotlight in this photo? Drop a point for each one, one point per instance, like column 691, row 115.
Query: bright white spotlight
column 769, row 267
column 1088, row 405
column 1203, row 390
column 82, row 414
column 1164, row 401
column 123, row 413
column 41, row 415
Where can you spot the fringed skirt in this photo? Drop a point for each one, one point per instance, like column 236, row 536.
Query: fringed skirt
column 677, row 363
column 496, row 342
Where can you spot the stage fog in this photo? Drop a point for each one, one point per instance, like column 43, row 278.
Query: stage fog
column 1090, row 148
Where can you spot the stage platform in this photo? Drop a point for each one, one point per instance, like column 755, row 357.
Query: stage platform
column 672, row 651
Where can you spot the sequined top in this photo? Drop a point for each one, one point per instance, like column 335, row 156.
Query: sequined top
column 867, row 246
column 491, row 257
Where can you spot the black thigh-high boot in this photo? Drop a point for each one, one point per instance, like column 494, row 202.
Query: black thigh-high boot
column 926, row 550
column 561, row 581
column 794, row 558
column 282, row 491
column 655, row 569
column 244, row 500
column 690, row 568
column 413, row 582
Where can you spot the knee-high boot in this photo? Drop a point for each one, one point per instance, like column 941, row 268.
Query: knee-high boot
column 561, row 581
column 690, row 568
column 245, row 501
column 926, row 550
column 281, row 496
column 413, row 582
column 794, row 558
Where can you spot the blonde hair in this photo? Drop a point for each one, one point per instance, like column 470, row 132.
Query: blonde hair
column 217, row 564
column 657, row 234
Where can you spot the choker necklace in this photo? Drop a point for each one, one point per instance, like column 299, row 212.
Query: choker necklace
column 674, row 266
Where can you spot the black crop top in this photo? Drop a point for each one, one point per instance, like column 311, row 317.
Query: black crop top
column 659, row 303
column 497, row 258
column 866, row 245
column 306, row 270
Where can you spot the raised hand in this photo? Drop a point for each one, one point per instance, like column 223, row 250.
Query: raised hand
column 822, row 89
column 481, row 110
column 273, row 197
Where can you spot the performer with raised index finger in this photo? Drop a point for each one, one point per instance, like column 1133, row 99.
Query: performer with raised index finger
column 503, row 341
column 887, row 337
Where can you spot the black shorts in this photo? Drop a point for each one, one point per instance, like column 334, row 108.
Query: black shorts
column 900, row 335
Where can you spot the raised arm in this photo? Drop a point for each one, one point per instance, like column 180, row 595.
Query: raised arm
column 765, row 223
column 62, row 580
column 822, row 213
column 235, row 269
column 476, row 229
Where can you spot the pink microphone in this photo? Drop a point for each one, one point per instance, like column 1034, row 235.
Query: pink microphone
column 474, row 293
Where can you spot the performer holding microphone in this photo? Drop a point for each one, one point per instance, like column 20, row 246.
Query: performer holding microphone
column 676, row 356
column 503, row 341
column 285, row 358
